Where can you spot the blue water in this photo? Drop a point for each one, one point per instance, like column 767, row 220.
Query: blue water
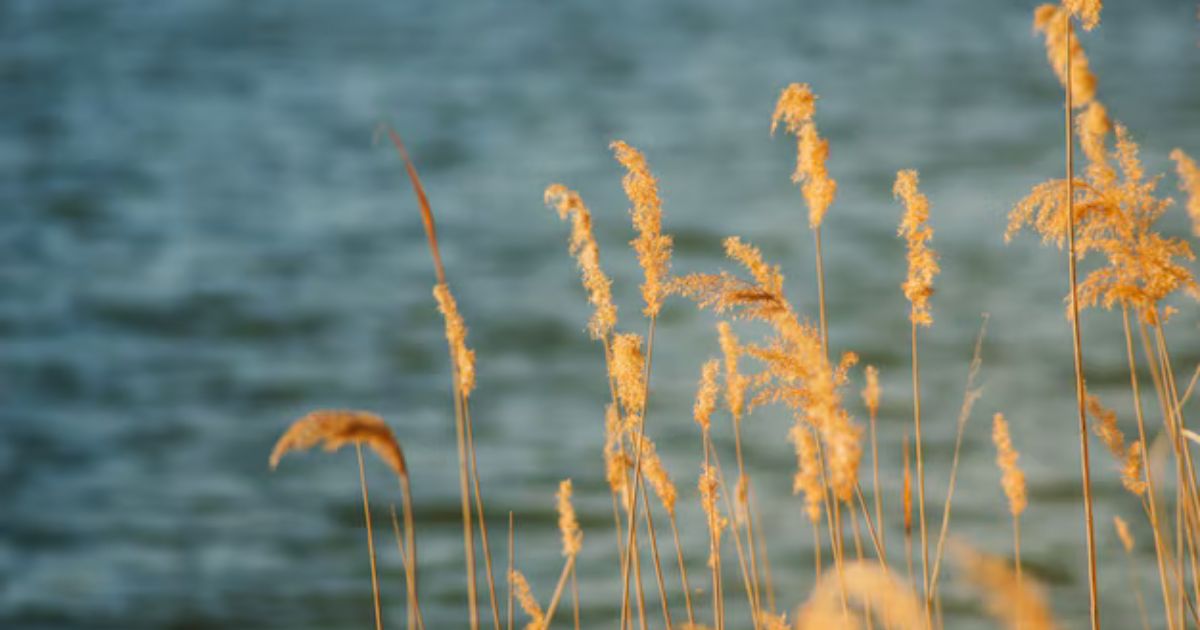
column 201, row 243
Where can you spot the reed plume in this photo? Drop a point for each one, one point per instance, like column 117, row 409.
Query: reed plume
column 922, row 261
column 1019, row 605
column 583, row 247
column 334, row 429
column 1189, row 183
column 537, row 618
column 876, row 591
column 456, row 335
column 795, row 109
column 656, row 474
column 808, row 478
column 1013, row 479
column 736, row 383
column 1062, row 47
column 568, row 523
column 706, row 395
column 653, row 248
column 628, row 373
column 1129, row 458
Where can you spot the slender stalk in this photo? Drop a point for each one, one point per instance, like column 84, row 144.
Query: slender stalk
column 362, row 480
column 821, row 290
column 1151, row 503
column 683, row 577
column 575, row 597
column 875, row 536
column 880, row 541
column 714, row 553
column 483, row 535
column 916, row 384
column 747, row 583
column 1017, row 557
column 465, row 492
column 1077, row 344
column 756, row 522
column 408, row 559
column 631, row 541
column 658, row 572
column 510, row 570
column 908, row 541
column 742, row 498
column 558, row 590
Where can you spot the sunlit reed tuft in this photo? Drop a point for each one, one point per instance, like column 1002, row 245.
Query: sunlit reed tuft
column 456, row 334
column 653, row 248
column 1013, row 479
column 537, row 617
column 795, row 110
column 922, row 261
column 1018, row 604
column 628, row 374
column 583, row 247
column 706, row 394
column 568, row 524
column 1048, row 19
column 334, row 429
column 1189, row 183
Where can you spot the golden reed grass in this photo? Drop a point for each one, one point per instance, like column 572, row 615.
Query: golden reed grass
column 334, row 429
column 1110, row 210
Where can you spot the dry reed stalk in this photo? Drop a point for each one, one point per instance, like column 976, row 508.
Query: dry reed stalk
column 1076, row 339
column 510, row 570
column 461, row 375
column 707, row 486
column 414, row 609
column 735, row 386
column 907, row 502
column 741, row 552
column 970, row 395
column 870, row 396
column 334, row 429
column 889, row 599
column 479, row 512
column 653, row 249
column 1018, row 605
column 918, row 287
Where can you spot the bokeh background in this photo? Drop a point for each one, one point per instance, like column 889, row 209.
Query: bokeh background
column 201, row 243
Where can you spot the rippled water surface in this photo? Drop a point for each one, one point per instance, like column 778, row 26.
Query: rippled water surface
column 201, row 243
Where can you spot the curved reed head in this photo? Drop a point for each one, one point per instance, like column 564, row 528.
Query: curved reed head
column 335, row 428
column 922, row 260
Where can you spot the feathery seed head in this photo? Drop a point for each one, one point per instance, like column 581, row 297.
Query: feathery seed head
column 585, row 250
column 1086, row 11
column 922, row 260
column 1050, row 20
column 870, row 393
column 795, row 106
column 708, row 486
column 537, row 617
column 808, row 470
column 735, row 382
column 656, row 474
column 627, row 368
column 456, row 334
column 1189, row 183
column 568, row 524
column 335, row 428
column 653, row 248
column 1013, row 479
column 706, row 395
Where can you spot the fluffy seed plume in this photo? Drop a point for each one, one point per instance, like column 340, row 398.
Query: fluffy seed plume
column 795, row 110
column 568, row 524
column 456, row 335
column 583, row 247
column 706, row 395
column 870, row 589
column 1051, row 21
column 1012, row 479
column 1129, row 458
column 652, row 246
column 1123, row 533
column 1018, row 604
column 870, row 392
column 1086, row 11
column 922, row 261
column 335, row 428
column 656, row 473
column 537, row 617
column 627, row 373
column 1189, row 183
column 735, row 382
column 808, row 471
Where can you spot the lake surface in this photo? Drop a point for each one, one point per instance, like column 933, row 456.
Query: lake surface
column 201, row 243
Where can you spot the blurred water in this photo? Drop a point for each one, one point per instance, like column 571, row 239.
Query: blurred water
column 201, row 243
